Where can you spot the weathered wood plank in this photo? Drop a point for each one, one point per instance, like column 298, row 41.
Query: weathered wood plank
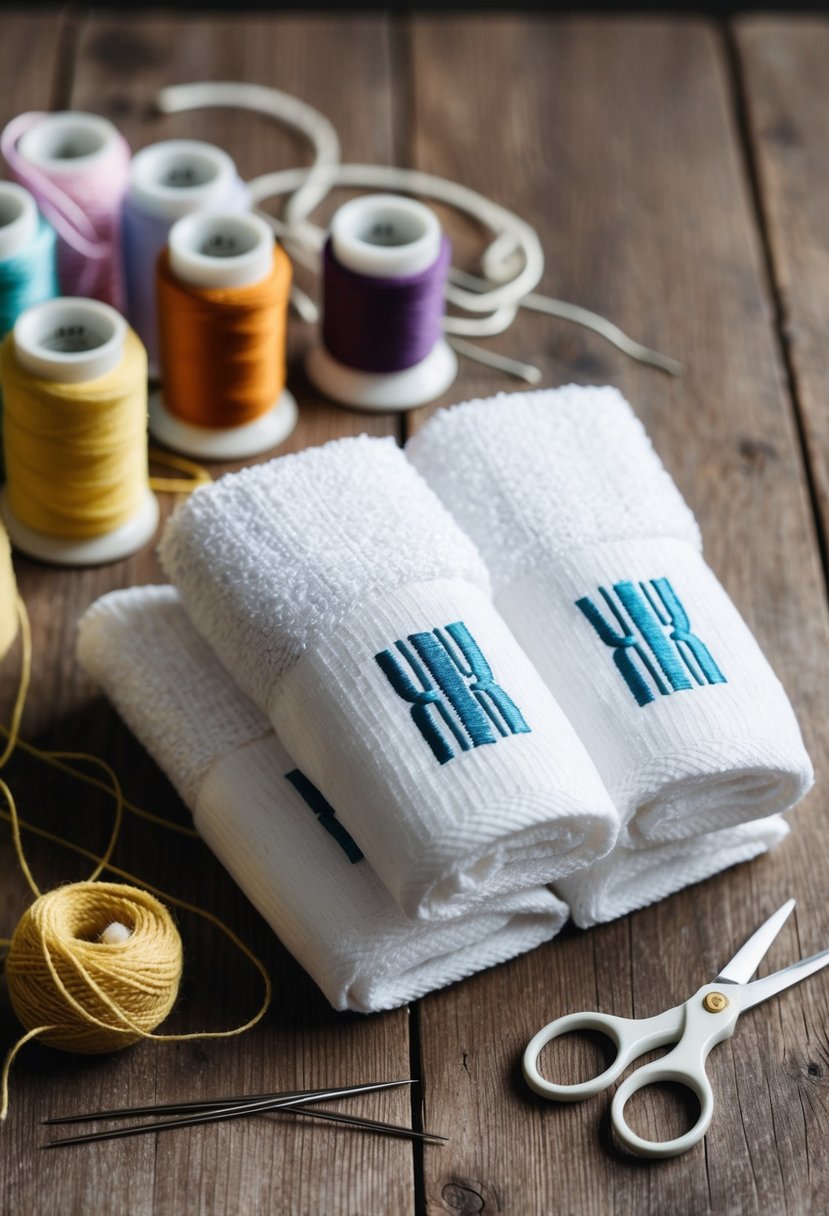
column 618, row 140
column 253, row 1166
column 785, row 89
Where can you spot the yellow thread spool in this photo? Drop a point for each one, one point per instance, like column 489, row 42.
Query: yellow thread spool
column 8, row 596
column 74, row 380
column 83, row 994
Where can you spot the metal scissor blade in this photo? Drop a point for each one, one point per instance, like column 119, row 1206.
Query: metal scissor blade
column 748, row 958
column 770, row 985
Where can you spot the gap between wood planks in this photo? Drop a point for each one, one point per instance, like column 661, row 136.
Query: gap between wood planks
column 737, row 77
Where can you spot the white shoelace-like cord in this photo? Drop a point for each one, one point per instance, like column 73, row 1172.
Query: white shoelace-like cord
column 512, row 263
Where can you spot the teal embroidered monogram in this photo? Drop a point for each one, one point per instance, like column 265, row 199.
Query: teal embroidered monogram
column 456, row 688
column 657, row 613
column 324, row 812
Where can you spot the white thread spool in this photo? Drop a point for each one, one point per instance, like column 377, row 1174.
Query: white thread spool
column 388, row 237
column 71, row 341
column 167, row 181
column 18, row 220
column 68, row 141
column 172, row 178
column 222, row 251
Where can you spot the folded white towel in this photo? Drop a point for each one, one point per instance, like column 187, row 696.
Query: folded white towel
column 596, row 566
column 628, row 879
column 275, row 834
column 349, row 605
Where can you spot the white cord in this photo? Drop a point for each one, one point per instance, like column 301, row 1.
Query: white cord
column 512, row 263
column 286, row 109
column 512, row 233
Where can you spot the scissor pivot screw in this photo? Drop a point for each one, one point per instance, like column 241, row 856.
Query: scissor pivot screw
column 714, row 1002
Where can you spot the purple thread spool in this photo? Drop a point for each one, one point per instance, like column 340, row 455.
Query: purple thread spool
column 384, row 270
column 169, row 180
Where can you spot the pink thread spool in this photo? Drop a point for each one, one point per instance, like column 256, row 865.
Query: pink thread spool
column 77, row 167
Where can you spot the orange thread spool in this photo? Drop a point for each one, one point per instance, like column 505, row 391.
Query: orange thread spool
column 223, row 287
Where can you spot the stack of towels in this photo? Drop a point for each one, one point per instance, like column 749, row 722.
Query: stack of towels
column 420, row 703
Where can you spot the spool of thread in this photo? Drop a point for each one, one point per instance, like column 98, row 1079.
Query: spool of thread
column 167, row 181
column 74, row 384
column 77, row 167
column 385, row 266
column 92, row 995
column 8, row 596
column 28, row 269
column 223, row 288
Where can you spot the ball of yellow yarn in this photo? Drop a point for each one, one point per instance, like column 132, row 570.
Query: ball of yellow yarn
column 94, row 996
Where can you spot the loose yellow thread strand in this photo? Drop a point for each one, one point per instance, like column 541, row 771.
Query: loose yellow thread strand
column 7, row 1067
column 50, row 758
column 196, row 475
column 23, row 685
column 11, row 743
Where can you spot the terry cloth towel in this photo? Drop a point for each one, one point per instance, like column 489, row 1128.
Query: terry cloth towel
column 352, row 609
column 273, row 831
column 628, row 879
column 597, row 567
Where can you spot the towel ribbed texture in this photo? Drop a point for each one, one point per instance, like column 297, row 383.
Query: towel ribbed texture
column 300, row 573
column 222, row 755
column 568, row 502
column 628, row 879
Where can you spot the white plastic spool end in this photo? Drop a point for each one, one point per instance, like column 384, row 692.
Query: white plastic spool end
column 18, row 220
column 67, row 141
column 224, row 443
column 385, row 236
column 222, row 250
column 177, row 176
column 72, row 340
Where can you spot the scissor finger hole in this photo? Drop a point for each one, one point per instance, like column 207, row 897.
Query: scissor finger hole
column 665, row 1110
column 576, row 1057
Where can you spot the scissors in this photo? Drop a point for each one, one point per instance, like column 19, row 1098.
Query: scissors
column 708, row 1018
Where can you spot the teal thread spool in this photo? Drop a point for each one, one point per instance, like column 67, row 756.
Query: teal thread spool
column 28, row 267
column 28, row 261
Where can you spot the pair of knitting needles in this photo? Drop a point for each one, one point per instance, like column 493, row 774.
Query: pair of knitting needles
column 192, row 1114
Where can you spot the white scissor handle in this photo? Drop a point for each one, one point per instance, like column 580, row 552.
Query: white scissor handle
column 632, row 1037
column 704, row 1027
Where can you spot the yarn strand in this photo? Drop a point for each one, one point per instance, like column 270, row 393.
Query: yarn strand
column 50, row 758
column 197, row 476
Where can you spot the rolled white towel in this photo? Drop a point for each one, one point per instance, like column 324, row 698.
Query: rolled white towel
column 597, row 568
column 353, row 610
column 628, row 879
column 273, row 831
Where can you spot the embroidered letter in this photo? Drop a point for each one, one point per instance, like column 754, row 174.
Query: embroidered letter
column 468, row 711
column 325, row 814
column 651, row 619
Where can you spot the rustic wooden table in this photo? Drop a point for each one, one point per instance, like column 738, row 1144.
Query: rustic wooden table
column 676, row 171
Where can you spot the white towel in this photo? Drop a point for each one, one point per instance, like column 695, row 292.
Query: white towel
column 348, row 604
column 628, row 879
column 596, row 566
column 282, row 844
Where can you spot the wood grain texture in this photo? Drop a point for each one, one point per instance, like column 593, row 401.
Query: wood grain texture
column 785, row 88
column 619, row 141
column 250, row 1166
